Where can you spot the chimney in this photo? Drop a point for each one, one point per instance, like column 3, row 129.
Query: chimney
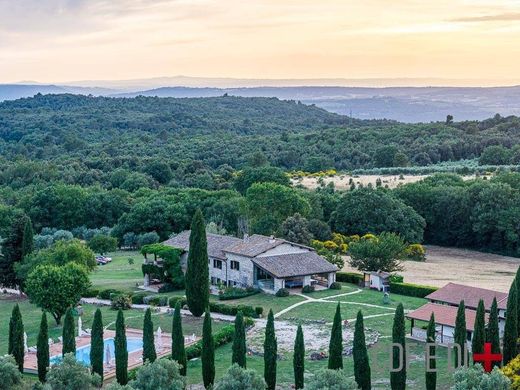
column 246, row 237
column 271, row 239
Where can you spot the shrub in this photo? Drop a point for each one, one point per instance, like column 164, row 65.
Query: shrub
column 72, row 375
column 512, row 371
column 173, row 301
column 308, row 289
column 156, row 300
column 335, row 286
column 138, row 299
column 162, row 374
column 331, row 379
column 91, row 293
column 106, row 294
column 259, row 310
column 237, row 377
column 122, row 301
column 411, row 290
column 237, row 293
column 475, row 378
column 395, row 278
column 215, row 307
column 223, row 336
column 349, row 277
column 415, row 252
column 169, row 287
column 283, row 292
column 9, row 373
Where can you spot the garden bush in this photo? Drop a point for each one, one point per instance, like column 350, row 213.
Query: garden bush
column 415, row 252
column 349, row 277
column 411, row 290
column 232, row 310
column 308, row 289
column 283, row 292
column 138, row 298
column 237, row 293
column 156, row 300
column 173, row 301
column 122, row 301
column 91, row 293
column 335, row 286
column 105, row 294
column 223, row 336
column 395, row 278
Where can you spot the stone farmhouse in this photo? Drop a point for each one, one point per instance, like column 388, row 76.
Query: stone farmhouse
column 444, row 303
column 263, row 262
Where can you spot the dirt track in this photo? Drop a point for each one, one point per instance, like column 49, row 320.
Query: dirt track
column 444, row 265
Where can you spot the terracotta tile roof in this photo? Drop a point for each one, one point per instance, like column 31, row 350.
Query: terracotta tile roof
column 216, row 243
column 254, row 245
column 453, row 293
column 294, row 264
column 444, row 315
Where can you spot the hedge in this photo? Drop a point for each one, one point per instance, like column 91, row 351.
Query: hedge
column 349, row 277
column 138, row 298
column 108, row 293
column 91, row 293
column 411, row 290
column 156, row 300
column 237, row 293
column 223, row 336
column 232, row 310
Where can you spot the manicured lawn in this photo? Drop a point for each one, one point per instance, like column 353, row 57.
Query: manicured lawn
column 346, row 288
column 119, row 274
column 267, row 301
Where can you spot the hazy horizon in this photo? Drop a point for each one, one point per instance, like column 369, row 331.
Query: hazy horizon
column 63, row 41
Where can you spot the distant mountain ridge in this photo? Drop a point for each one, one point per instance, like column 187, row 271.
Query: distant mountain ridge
column 404, row 104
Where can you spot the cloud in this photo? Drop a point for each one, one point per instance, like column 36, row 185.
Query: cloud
column 504, row 17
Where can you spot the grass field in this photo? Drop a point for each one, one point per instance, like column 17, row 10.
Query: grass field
column 318, row 306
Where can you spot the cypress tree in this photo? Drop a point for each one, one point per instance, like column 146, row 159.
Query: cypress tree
column 28, row 238
column 492, row 334
column 460, row 334
column 149, row 353
column 479, row 332
column 239, row 342
column 96, row 344
column 299, row 359
column 398, row 378
column 121, row 352
column 178, row 350
column 69, row 334
column 336, row 342
column 197, row 273
column 431, row 377
column 360, row 355
column 42, row 349
column 511, row 326
column 16, row 344
column 270, row 353
column 208, row 352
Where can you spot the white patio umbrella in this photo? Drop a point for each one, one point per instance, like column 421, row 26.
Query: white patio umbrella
column 25, row 347
column 80, row 327
column 159, row 339
column 108, row 355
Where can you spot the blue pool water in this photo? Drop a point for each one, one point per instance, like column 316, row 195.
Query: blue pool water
column 83, row 353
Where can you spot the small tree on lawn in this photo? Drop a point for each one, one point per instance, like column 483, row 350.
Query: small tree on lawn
column 360, row 355
column 511, row 326
column 299, row 359
column 398, row 378
column 163, row 374
column 178, row 350
column 16, row 344
column 237, row 377
column 492, row 334
column 69, row 334
column 54, row 288
column 270, row 353
column 460, row 334
column 379, row 253
column 336, row 342
column 239, row 342
column 197, row 273
column 431, row 375
column 42, row 349
column 148, row 339
column 121, row 352
column 97, row 344
column 208, row 352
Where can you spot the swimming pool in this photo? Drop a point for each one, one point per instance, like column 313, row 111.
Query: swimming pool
column 83, row 353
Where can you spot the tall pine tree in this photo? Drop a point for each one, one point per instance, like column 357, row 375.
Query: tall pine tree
column 511, row 326
column 398, row 378
column 360, row 355
column 336, row 342
column 270, row 353
column 460, row 334
column 42, row 349
column 479, row 332
column 299, row 359
column 239, row 342
column 68, row 334
column 197, row 273
column 121, row 352
column 492, row 334
column 96, row 344
column 149, row 353
column 431, row 374
column 178, row 350
column 208, row 353
column 16, row 343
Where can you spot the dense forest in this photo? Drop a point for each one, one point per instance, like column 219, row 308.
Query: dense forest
column 134, row 166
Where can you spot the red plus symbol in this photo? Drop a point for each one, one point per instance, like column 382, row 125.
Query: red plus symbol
column 487, row 357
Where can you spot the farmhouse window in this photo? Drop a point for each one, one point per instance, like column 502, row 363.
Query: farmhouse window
column 235, row 265
column 217, row 264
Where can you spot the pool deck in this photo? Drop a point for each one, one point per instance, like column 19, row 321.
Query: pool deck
column 135, row 359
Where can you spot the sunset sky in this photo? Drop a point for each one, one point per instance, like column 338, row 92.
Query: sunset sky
column 64, row 40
